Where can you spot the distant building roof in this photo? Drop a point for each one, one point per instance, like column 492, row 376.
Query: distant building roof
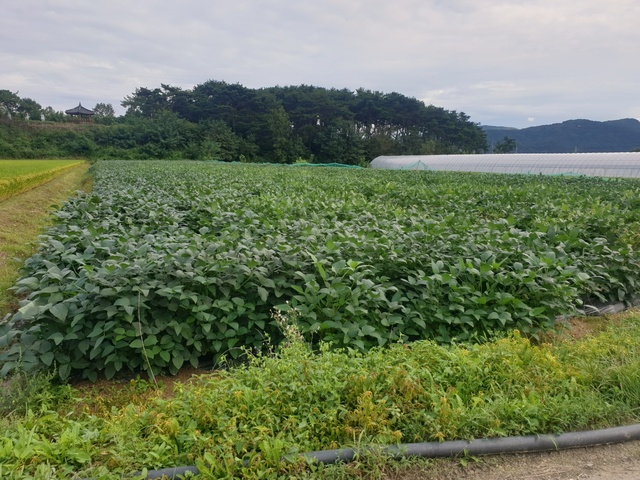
column 79, row 110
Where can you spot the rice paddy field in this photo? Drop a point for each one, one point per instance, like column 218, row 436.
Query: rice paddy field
column 17, row 176
column 24, row 215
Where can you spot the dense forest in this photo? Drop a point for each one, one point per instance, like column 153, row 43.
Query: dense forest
column 229, row 122
column 570, row 136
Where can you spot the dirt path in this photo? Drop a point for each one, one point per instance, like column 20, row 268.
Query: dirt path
column 25, row 215
column 607, row 462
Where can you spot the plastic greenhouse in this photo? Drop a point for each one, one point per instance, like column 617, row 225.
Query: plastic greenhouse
column 613, row 164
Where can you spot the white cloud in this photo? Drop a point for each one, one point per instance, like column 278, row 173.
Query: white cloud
column 500, row 61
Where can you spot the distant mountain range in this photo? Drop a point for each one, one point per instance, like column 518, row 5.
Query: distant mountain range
column 571, row 136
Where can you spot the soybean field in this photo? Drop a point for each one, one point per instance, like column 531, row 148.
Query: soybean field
column 168, row 263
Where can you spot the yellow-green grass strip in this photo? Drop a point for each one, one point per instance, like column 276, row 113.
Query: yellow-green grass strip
column 24, row 216
column 18, row 176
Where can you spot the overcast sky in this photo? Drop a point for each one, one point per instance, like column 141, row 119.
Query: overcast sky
column 512, row 63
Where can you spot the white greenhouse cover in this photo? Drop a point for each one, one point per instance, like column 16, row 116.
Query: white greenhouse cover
column 613, row 164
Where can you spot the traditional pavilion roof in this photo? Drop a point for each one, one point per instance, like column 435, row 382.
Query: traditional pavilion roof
column 79, row 110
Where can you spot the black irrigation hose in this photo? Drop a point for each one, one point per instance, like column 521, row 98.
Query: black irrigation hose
column 490, row 446
column 610, row 308
column 456, row 448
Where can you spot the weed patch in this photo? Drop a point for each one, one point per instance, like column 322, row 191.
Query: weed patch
column 253, row 421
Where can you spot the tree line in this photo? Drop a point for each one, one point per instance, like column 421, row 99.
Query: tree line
column 229, row 122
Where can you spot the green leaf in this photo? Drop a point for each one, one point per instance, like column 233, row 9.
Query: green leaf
column 30, row 310
column 78, row 455
column 30, row 282
column 263, row 294
column 238, row 301
column 110, row 371
column 59, row 311
column 47, row 358
column 122, row 302
column 64, row 371
column 537, row 311
column 6, row 368
column 338, row 266
column 177, row 360
column 56, row 338
column 59, row 246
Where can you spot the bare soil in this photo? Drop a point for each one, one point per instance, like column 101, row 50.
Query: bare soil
column 606, row 462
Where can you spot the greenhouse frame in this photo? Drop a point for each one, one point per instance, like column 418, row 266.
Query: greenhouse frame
column 609, row 164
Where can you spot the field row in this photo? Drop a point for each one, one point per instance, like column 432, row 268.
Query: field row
column 171, row 262
column 17, row 176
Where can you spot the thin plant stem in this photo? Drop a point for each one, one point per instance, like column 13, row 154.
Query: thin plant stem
column 144, row 350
